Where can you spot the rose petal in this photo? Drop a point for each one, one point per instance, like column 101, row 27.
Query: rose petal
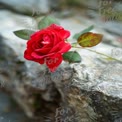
column 54, row 61
column 41, row 61
column 56, row 47
column 62, row 32
column 55, row 27
column 65, row 48
column 27, row 55
column 43, row 50
column 61, row 47
column 37, row 56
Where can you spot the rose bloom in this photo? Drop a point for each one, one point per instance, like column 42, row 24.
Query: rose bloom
column 47, row 46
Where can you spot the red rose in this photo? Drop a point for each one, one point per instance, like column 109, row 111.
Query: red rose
column 47, row 46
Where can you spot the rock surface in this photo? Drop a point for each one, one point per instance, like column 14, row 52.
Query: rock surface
column 26, row 6
column 86, row 92
column 9, row 111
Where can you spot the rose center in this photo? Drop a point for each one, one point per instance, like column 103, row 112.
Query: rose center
column 46, row 39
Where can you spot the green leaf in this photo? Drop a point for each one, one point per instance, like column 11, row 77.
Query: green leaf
column 72, row 57
column 46, row 21
column 24, row 34
column 89, row 39
column 76, row 36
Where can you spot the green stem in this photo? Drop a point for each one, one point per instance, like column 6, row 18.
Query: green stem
column 100, row 54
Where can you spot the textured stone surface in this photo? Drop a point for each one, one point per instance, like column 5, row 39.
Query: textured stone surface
column 9, row 110
column 26, row 6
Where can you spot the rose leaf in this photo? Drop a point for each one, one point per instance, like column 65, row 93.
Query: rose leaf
column 47, row 21
column 24, row 34
column 72, row 57
column 89, row 39
column 82, row 32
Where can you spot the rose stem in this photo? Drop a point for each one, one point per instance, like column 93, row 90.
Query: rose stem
column 100, row 54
